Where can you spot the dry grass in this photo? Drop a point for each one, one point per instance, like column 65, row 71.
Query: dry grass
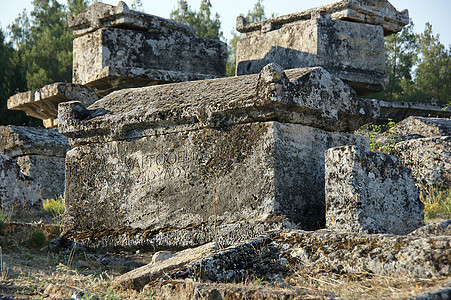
column 360, row 285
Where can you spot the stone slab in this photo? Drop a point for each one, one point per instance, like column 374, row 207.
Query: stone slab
column 354, row 52
column 421, row 127
column 43, row 103
column 101, row 15
column 228, row 174
column 115, row 58
column 398, row 111
column 18, row 192
column 141, row 276
column 310, row 96
column 440, row 228
column 429, row 159
column 375, row 12
column 370, row 192
column 21, row 140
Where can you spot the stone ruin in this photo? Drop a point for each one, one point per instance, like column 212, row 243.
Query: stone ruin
column 225, row 160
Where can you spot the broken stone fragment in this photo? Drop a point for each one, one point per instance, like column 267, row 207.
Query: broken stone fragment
column 309, row 96
column 429, row 159
column 139, row 277
column 18, row 192
column 370, row 192
column 20, row 140
column 422, row 127
column 43, row 103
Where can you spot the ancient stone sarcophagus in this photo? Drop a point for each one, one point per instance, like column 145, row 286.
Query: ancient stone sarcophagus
column 117, row 48
column 346, row 38
column 213, row 151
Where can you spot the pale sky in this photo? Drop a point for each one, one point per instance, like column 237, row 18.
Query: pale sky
column 436, row 12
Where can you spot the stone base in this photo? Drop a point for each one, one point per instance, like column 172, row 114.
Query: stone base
column 370, row 192
column 240, row 172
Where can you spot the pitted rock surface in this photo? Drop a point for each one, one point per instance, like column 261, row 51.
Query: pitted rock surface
column 310, row 97
column 422, row 127
column 429, row 159
column 370, row 192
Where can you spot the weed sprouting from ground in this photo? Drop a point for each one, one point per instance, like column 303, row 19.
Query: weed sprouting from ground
column 382, row 139
column 437, row 202
column 55, row 208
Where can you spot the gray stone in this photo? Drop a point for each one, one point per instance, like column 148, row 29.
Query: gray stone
column 270, row 257
column 421, row 127
column 435, row 229
column 100, row 15
column 429, row 159
column 354, row 52
column 43, row 103
column 190, row 177
column 118, row 48
column 20, row 140
column 376, row 12
column 370, row 192
column 49, row 171
column 398, row 111
column 310, row 96
column 141, row 276
column 17, row 191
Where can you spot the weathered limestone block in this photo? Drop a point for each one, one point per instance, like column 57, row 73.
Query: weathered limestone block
column 17, row 191
column 398, row 111
column 43, row 103
column 440, row 228
column 309, row 96
column 370, row 192
column 228, row 174
column 117, row 48
column 421, row 127
column 20, row 140
column 354, row 52
column 40, row 153
column 428, row 158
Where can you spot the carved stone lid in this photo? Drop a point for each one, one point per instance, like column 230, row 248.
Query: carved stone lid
column 376, row 12
column 101, row 15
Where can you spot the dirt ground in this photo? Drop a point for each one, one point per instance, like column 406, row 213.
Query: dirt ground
column 30, row 273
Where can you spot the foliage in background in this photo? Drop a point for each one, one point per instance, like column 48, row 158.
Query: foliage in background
column 55, row 208
column 418, row 67
column 381, row 138
column 202, row 21
column 39, row 52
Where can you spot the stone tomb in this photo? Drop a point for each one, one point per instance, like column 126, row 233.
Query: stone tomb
column 214, row 151
column 346, row 38
column 117, row 47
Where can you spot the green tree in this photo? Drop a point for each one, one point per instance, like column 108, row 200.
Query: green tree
column 433, row 73
column 400, row 56
column 137, row 5
column 202, row 21
column 257, row 14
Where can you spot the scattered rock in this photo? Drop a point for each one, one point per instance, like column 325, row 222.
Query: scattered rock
column 441, row 228
column 421, row 127
column 429, row 159
column 370, row 192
